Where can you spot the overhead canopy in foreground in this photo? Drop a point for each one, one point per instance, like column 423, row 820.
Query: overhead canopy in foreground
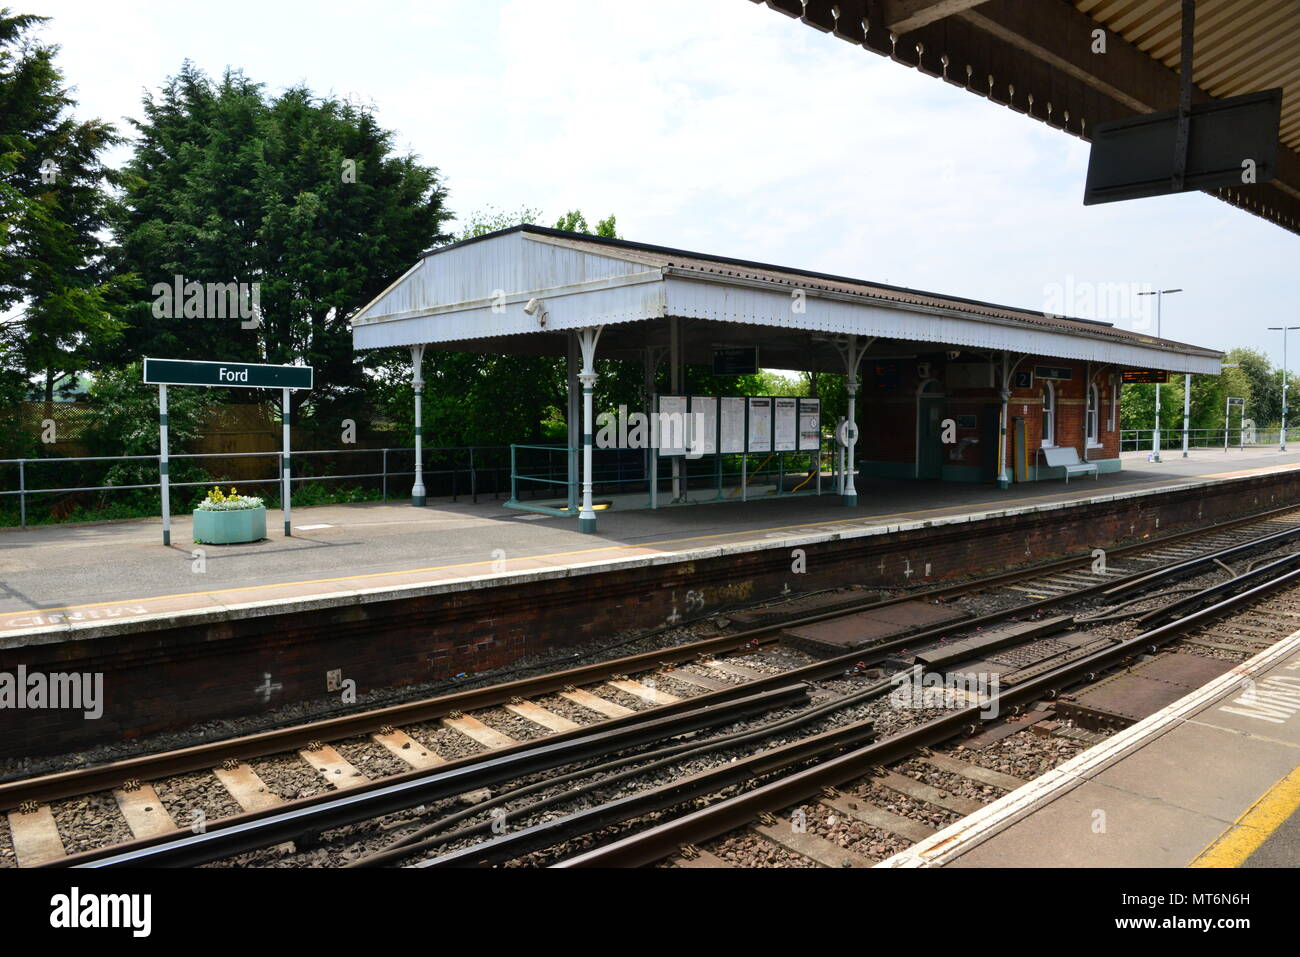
column 1043, row 58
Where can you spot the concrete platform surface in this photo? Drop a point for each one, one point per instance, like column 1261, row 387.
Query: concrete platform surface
column 70, row 575
column 1210, row 781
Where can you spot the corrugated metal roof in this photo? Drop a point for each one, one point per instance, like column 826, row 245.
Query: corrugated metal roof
column 678, row 259
column 472, row 296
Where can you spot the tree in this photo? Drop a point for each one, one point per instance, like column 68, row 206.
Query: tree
column 53, row 210
column 298, row 197
column 1137, row 406
column 123, row 420
column 491, row 219
column 574, row 222
column 1262, row 384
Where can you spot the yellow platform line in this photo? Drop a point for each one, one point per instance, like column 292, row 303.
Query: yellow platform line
column 998, row 505
column 1234, row 846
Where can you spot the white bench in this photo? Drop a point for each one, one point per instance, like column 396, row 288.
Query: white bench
column 1068, row 459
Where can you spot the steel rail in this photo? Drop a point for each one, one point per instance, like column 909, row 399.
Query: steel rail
column 524, row 841
column 65, row 784
column 597, row 777
column 1169, row 572
column 708, row 823
column 288, row 822
column 1176, row 608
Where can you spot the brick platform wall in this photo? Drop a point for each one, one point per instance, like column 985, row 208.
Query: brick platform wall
column 173, row 677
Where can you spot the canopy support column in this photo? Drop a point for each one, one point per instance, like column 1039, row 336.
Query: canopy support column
column 417, row 383
column 852, row 350
column 571, row 418
column 1008, row 367
column 653, row 356
column 587, row 338
column 675, row 387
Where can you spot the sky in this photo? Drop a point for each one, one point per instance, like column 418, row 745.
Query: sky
column 722, row 127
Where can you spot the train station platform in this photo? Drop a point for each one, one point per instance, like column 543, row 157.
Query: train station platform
column 1212, row 780
column 75, row 577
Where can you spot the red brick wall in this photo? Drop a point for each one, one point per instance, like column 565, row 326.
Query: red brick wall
column 173, row 677
column 1070, row 412
column 887, row 418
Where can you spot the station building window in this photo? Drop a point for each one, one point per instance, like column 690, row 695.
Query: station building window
column 1094, row 416
column 1049, row 415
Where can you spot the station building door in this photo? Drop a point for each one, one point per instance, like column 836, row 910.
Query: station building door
column 1020, row 450
column 989, row 428
column 929, row 428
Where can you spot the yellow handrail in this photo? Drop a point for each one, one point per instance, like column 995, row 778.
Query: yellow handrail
column 749, row 475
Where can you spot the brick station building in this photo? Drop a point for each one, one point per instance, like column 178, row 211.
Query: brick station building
column 902, row 405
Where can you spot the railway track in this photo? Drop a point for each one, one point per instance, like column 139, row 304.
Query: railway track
column 1239, row 617
column 537, row 726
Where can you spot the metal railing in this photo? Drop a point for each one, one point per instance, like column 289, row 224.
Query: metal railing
column 551, row 468
column 543, row 470
column 1140, row 440
column 458, row 464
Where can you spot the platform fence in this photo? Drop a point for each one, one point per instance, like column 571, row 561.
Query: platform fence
column 541, row 471
column 448, row 471
column 1140, row 440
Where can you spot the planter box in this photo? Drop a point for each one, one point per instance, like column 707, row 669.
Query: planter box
column 229, row 527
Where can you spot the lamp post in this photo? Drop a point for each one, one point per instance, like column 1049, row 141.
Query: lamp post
column 1284, row 330
column 1155, row 433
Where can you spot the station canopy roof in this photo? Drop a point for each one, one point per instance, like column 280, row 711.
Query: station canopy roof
column 471, row 297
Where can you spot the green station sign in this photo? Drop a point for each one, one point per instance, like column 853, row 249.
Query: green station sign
column 246, row 375
column 1053, row 372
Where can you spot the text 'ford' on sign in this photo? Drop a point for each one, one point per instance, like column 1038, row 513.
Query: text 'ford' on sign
column 237, row 374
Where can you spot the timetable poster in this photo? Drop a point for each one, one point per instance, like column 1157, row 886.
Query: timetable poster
column 672, row 425
column 702, row 438
column 731, row 411
column 810, row 425
column 760, row 425
column 786, row 424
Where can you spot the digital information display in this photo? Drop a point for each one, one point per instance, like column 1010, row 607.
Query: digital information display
column 1144, row 376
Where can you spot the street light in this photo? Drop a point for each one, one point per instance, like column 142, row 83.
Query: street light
column 1155, row 433
column 1284, row 330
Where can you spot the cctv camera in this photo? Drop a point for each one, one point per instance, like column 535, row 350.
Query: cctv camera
column 533, row 306
column 953, row 353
